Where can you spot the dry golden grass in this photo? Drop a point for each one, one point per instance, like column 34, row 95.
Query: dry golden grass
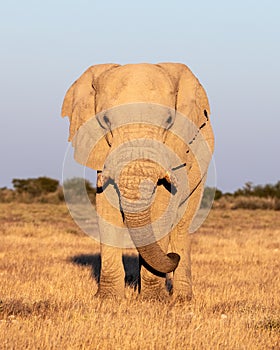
column 48, row 269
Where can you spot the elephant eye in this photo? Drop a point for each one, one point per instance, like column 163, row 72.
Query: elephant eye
column 106, row 120
column 169, row 122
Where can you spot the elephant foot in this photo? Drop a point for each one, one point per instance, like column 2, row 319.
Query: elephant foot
column 181, row 297
column 153, row 287
column 111, row 294
column 111, row 289
column 182, row 286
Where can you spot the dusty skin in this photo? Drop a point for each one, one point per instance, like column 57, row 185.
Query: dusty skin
column 146, row 129
column 49, row 270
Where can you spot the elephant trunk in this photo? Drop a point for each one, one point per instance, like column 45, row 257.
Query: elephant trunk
column 141, row 232
column 137, row 184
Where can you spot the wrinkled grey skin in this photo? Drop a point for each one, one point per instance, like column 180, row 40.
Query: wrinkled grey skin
column 146, row 129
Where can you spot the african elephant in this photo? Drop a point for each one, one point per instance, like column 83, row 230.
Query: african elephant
column 145, row 128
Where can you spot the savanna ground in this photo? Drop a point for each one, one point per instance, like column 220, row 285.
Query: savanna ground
column 48, row 272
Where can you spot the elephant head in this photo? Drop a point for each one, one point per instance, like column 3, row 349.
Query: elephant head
column 122, row 120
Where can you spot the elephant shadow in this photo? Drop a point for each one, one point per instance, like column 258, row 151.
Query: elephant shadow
column 130, row 263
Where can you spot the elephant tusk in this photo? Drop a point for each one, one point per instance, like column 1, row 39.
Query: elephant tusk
column 171, row 179
column 103, row 179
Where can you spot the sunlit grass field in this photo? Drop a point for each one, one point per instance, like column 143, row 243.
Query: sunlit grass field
column 49, row 271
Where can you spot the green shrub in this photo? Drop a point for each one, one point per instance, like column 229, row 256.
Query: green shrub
column 35, row 187
column 74, row 190
column 208, row 197
column 261, row 191
column 6, row 195
column 253, row 203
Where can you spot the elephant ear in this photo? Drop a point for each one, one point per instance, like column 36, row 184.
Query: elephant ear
column 191, row 98
column 191, row 104
column 190, row 137
column 79, row 106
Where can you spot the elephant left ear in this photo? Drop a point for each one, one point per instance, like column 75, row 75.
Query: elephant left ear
column 192, row 107
column 191, row 98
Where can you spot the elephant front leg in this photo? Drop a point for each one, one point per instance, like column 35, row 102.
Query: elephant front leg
column 112, row 275
column 182, row 279
column 181, row 244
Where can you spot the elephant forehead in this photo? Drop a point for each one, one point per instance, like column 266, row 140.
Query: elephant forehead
column 134, row 83
column 135, row 131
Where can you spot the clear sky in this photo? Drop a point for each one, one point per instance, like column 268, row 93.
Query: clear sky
column 233, row 47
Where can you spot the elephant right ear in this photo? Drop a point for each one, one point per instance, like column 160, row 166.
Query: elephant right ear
column 79, row 106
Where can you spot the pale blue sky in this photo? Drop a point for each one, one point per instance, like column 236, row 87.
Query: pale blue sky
column 233, row 48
